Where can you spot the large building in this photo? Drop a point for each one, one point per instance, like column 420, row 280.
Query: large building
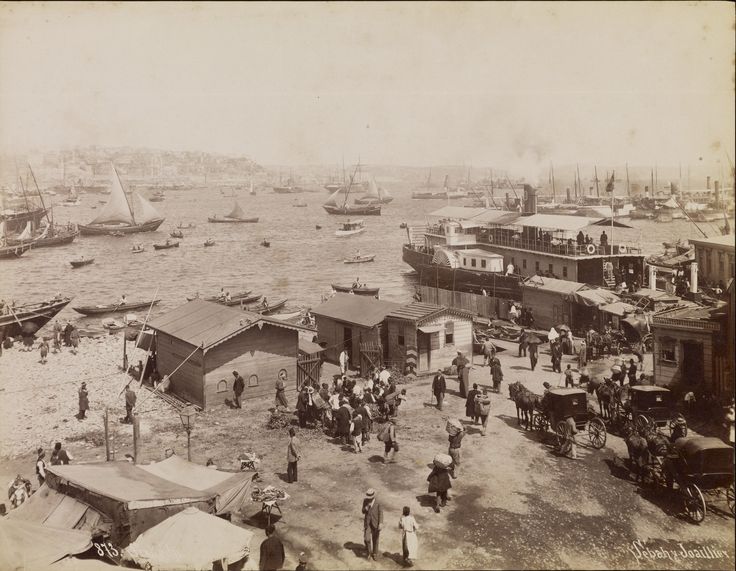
column 715, row 257
column 202, row 343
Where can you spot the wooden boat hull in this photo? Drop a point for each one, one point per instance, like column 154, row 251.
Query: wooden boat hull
column 270, row 309
column 209, row 244
column 346, row 233
column 14, row 251
column 232, row 220
column 360, row 260
column 176, row 234
column 29, row 318
column 113, row 308
column 363, row 210
column 370, row 291
column 139, row 251
column 165, row 246
column 80, row 263
column 102, row 229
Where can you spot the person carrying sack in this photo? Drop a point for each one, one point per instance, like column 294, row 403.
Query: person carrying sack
column 387, row 435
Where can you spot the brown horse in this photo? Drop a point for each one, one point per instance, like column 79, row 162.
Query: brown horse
column 638, row 449
column 607, row 393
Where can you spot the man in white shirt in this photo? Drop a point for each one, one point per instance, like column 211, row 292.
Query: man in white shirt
column 510, row 269
column 343, row 361
column 384, row 376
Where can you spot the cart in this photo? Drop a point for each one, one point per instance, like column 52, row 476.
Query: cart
column 559, row 404
column 648, row 407
column 702, row 467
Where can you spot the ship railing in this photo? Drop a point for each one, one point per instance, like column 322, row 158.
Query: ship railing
column 557, row 246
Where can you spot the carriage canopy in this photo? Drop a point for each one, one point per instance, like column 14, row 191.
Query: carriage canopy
column 705, row 455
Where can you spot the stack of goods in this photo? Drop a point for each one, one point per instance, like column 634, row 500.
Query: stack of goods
column 442, row 461
column 279, row 419
column 268, row 494
column 453, row 426
column 249, row 461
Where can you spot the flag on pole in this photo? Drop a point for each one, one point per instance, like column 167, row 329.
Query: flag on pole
column 609, row 186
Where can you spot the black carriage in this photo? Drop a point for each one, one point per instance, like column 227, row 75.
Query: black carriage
column 649, row 407
column 559, row 404
column 700, row 467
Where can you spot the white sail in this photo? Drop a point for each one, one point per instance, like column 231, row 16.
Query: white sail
column 26, row 234
column 117, row 208
column 45, row 232
column 332, row 200
column 236, row 212
column 147, row 211
column 372, row 189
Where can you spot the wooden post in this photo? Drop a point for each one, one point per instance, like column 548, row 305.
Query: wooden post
column 136, row 437
column 125, row 354
column 107, row 434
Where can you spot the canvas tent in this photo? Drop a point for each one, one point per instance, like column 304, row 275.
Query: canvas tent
column 190, row 540
column 135, row 499
column 25, row 545
column 230, row 490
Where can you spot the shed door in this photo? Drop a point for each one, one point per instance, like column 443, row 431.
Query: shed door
column 692, row 362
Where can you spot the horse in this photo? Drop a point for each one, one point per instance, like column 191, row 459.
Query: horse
column 638, row 450
column 607, row 392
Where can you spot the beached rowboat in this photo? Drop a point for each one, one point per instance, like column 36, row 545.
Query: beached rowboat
column 113, row 307
column 80, row 263
column 362, row 290
column 359, row 259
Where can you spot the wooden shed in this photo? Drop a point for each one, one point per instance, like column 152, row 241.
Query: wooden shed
column 346, row 320
column 423, row 337
column 549, row 299
column 213, row 340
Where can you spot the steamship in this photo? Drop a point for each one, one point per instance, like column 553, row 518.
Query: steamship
column 472, row 249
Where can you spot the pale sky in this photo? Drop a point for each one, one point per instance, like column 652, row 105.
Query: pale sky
column 414, row 84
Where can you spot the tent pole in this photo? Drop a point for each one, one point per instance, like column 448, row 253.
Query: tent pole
column 107, row 434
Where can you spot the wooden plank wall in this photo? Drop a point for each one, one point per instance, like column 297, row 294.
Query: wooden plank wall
column 332, row 332
column 261, row 352
column 187, row 381
column 666, row 373
column 485, row 306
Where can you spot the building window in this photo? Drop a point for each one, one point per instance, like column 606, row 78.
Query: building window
column 222, row 386
column 551, row 268
column 449, row 338
column 472, row 262
column 564, row 271
column 513, row 261
column 253, row 380
column 523, row 263
column 536, row 266
column 401, row 340
column 482, row 263
column 465, row 261
column 449, row 332
column 667, row 347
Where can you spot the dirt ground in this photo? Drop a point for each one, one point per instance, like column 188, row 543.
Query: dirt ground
column 515, row 504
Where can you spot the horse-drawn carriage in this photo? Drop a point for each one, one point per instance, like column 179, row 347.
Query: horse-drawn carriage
column 559, row 404
column 648, row 407
column 701, row 467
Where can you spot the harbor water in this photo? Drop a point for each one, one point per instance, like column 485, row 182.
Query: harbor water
column 300, row 263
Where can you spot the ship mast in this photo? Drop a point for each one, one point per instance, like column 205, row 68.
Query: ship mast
column 43, row 205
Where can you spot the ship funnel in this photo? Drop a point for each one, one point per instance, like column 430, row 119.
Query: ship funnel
column 717, row 193
column 707, row 183
column 530, row 199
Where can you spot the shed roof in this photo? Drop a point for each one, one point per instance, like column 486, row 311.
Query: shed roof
column 619, row 308
column 728, row 241
column 594, row 297
column 205, row 324
column 688, row 311
column 564, row 287
column 356, row 309
column 417, row 311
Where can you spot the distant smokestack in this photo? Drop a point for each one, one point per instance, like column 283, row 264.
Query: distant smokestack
column 707, row 183
column 646, row 191
column 530, row 199
column 567, row 192
column 717, row 193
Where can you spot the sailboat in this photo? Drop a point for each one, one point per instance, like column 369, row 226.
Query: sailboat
column 45, row 232
column 236, row 216
column 252, row 190
column 374, row 195
column 117, row 214
column 333, row 206
column 427, row 192
column 73, row 198
column 8, row 251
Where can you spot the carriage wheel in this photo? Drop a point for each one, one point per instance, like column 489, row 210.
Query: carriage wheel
column 641, row 423
column 561, row 431
column 597, row 433
column 730, row 499
column 539, row 423
column 694, row 503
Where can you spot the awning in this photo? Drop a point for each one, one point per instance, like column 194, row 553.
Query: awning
column 431, row 328
column 618, row 308
column 594, row 297
column 309, row 348
column 25, row 545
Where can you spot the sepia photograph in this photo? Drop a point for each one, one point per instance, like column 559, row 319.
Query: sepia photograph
column 367, row 285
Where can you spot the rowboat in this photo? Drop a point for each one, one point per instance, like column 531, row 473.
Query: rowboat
column 166, row 245
column 245, row 300
column 235, row 299
column 236, row 216
column 82, row 262
column 350, row 228
column 286, row 316
column 361, row 290
column 266, row 244
column 358, row 259
column 269, row 307
column 186, row 226
column 209, row 242
column 14, row 251
column 113, row 307
column 138, row 249
column 176, row 234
